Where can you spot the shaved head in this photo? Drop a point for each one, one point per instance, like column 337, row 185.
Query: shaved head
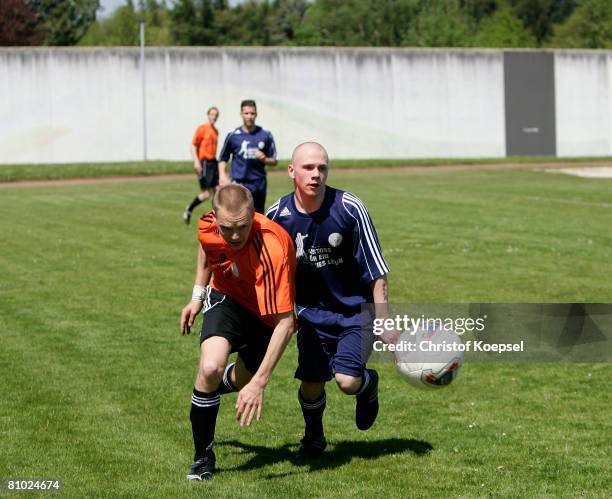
column 234, row 198
column 308, row 148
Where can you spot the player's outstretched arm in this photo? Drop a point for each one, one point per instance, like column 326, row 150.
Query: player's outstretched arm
column 223, row 176
column 380, row 293
column 250, row 399
column 192, row 309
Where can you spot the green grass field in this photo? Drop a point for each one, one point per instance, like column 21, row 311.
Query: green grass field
column 97, row 380
column 11, row 173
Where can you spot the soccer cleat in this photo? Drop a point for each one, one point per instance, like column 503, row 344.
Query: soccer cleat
column 203, row 468
column 366, row 408
column 311, row 448
column 187, row 216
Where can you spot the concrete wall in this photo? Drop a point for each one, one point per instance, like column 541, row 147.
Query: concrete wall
column 73, row 105
column 583, row 81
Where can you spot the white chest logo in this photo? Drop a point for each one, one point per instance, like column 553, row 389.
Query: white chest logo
column 299, row 244
column 335, row 239
column 235, row 270
column 244, row 149
column 261, row 145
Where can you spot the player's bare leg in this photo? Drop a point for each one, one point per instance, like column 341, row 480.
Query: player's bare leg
column 199, row 199
column 365, row 389
column 311, row 396
column 205, row 403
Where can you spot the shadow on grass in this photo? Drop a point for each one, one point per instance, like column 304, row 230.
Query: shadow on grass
column 335, row 456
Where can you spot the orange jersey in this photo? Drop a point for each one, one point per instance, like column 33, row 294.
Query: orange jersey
column 261, row 275
column 205, row 140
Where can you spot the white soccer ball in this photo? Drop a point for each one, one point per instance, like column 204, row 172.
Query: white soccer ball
column 429, row 359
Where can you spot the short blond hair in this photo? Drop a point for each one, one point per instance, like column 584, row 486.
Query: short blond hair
column 234, row 198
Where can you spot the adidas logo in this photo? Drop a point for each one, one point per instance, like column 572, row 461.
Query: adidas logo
column 285, row 212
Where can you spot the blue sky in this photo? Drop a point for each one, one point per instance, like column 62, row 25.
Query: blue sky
column 110, row 5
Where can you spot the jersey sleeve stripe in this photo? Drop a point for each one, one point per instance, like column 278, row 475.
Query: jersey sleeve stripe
column 273, row 210
column 268, row 258
column 258, row 242
column 372, row 239
column 268, row 276
column 225, row 154
column 366, row 225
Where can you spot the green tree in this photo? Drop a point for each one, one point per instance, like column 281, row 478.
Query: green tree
column 193, row 22
column 503, row 29
column 284, row 20
column 539, row 16
column 356, row 22
column 64, row 22
column 440, row 24
column 590, row 26
column 121, row 29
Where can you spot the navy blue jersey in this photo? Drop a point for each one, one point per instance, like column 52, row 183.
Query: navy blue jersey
column 242, row 146
column 338, row 256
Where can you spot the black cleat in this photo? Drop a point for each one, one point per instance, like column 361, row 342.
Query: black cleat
column 366, row 409
column 311, row 448
column 203, row 468
column 187, row 216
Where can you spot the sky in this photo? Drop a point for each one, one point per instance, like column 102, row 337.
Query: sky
column 110, row 5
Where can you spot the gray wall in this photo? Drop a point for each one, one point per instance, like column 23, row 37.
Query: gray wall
column 69, row 104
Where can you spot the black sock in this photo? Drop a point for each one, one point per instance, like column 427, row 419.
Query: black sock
column 313, row 415
column 204, row 410
column 227, row 385
column 196, row 201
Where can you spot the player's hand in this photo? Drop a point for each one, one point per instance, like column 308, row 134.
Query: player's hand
column 249, row 403
column 224, row 180
column 188, row 316
column 390, row 337
column 260, row 156
column 198, row 168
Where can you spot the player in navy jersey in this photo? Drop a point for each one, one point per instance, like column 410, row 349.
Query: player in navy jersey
column 251, row 149
column 340, row 269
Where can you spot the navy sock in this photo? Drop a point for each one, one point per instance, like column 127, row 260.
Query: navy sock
column 196, row 201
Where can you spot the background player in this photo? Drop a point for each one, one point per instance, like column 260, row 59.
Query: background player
column 251, row 149
column 204, row 153
column 248, row 308
column 340, row 268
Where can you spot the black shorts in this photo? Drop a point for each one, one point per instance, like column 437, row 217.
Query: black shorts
column 209, row 178
column 225, row 317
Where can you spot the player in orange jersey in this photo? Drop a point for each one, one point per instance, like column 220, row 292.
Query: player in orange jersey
column 204, row 153
column 245, row 279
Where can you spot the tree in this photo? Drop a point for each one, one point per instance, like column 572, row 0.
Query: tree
column 356, row 22
column 440, row 24
column 193, row 22
column 64, row 22
column 590, row 26
column 121, row 29
column 503, row 29
column 284, row 20
column 18, row 23
column 539, row 16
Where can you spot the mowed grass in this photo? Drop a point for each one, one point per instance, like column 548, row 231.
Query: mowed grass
column 97, row 380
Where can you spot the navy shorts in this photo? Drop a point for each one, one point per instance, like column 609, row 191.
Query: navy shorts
column 320, row 357
column 258, row 190
column 225, row 317
column 209, row 178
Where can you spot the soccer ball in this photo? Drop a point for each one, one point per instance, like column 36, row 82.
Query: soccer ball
column 429, row 358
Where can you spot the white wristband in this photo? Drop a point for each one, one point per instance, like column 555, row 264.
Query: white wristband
column 198, row 293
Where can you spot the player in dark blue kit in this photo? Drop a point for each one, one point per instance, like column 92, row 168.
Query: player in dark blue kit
column 251, row 149
column 340, row 268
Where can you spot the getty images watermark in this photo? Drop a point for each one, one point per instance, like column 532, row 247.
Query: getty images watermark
column 422, row 334
column 510, row 332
